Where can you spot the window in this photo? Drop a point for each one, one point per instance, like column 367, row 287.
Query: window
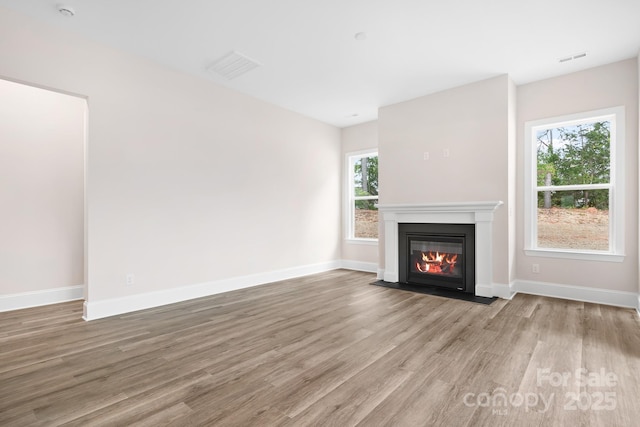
column 574, row 182
column 362, row 182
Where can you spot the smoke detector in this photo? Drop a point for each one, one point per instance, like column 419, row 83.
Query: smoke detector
column 66, row 11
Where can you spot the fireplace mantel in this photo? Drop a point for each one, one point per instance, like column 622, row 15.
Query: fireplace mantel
column 478, row 213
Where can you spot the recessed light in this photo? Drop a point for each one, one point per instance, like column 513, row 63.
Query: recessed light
column 66, row 11
column 360, row 36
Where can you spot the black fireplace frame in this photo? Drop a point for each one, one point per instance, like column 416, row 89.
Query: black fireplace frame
column 441, row 231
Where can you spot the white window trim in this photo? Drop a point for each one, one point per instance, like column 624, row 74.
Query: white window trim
column 348, row 213
column 616, row 186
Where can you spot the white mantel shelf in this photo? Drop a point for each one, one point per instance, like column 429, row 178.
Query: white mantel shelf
column 478, row 213
column 442, row 207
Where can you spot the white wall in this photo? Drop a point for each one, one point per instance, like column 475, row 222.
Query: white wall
column 188, row 182
column 602, row 87
column 356, row 138
column 41, row 189
column 472, row 122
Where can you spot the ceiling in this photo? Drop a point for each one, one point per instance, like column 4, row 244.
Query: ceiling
column 312, row 63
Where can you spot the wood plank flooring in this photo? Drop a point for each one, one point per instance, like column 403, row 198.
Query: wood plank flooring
column 328, row 349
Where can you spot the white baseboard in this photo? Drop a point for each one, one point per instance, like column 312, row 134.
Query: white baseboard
column 38, row 298
column 503, row 290
column 111, row 307
column 484, row 290
column 578, row 293
column 638, row 306
column 369, row 267
column 381, row 274
column 494, row 290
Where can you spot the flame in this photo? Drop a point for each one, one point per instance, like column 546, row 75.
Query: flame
column 437, row 263
column 422, row 269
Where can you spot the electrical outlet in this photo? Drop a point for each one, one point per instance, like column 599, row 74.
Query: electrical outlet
column 535, row 268
column 131, row 279
column 426, row 155
column 445, row 152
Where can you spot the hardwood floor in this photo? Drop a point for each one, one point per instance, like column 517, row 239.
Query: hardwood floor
column 327, row 349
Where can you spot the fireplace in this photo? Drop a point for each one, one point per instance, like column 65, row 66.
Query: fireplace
column 438, row 255
column 478, row 214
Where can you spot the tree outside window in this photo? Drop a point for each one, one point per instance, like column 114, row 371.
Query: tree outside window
column 573, row 182
column 363, row 188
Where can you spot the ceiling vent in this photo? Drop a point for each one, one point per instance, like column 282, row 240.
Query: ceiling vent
column 572, row 57
column 232, row 65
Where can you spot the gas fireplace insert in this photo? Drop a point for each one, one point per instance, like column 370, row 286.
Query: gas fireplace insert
column 437, row 255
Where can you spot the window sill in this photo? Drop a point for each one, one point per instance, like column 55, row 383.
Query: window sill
column 582, row 256
column 370, row 242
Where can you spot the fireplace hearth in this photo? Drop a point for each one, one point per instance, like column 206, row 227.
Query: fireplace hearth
column 437, row 255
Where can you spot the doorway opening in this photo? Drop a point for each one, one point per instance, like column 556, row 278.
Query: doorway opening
column 43, row 140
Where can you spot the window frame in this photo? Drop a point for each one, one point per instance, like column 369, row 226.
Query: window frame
column 616, row 185
column 351, row 198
